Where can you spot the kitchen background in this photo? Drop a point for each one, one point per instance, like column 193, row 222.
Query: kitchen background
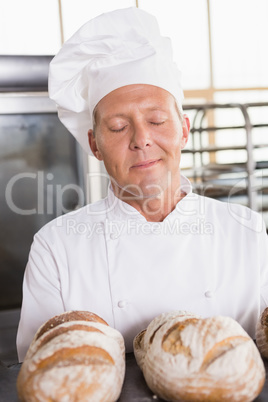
column 221, row 48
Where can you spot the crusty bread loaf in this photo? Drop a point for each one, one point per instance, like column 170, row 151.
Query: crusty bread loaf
column 75, row 356
column 262, row 333
column 188, row 358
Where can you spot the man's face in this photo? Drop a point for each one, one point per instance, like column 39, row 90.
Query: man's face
column 139, row 136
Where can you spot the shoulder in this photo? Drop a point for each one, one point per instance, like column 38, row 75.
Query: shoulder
column 75, row 221
column 231, row 215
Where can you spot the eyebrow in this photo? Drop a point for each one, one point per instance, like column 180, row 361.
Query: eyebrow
column 110, row 116
column 147, row 109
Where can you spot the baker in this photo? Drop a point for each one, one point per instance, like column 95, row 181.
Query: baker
column 151, row 245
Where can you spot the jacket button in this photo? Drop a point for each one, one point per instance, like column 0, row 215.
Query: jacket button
column 122, row 303
column 209, row 294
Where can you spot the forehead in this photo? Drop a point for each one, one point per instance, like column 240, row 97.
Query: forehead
column 142, row 96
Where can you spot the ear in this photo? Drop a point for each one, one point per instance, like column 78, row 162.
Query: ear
column 185, row 131
column 93, row 145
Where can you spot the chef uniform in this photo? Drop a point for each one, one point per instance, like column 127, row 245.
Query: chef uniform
column 206, row 256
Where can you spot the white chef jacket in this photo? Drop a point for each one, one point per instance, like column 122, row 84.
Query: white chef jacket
column 207, row 257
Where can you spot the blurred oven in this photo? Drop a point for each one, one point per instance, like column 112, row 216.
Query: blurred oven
column 42, row 167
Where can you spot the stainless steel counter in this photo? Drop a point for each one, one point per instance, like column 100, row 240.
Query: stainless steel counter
column 134, row 389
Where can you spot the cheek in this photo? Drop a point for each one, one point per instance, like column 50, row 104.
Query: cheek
column 104, row 147
column 172, row 143
column 113, row 160
column 109, row 144
column 178, row 138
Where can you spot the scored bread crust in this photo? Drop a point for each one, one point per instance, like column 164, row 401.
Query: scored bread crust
column 74, row 359
column 262, row 333
column 188, row 358
column 66, row 317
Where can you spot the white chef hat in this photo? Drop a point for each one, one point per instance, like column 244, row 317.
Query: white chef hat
column 115, row 49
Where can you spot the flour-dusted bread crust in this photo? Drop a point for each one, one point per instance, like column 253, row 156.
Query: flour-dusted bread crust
column 75, row 356
column 188, row 358
column 66, row 317
column 262, row 333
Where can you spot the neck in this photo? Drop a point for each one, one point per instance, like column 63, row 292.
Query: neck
column 157, row 209
column 154, row 208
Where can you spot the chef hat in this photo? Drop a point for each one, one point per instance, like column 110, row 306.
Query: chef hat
column 115, row 49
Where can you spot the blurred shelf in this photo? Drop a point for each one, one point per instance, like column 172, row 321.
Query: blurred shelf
column 246, row 182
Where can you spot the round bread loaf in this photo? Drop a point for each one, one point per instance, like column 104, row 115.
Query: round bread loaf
column 188, row 358
column 262, row 333
column 74, row 356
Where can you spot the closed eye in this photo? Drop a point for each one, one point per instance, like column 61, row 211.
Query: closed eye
column 157, row 123
column 118, row 130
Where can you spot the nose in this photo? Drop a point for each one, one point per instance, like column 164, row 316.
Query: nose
column 141, row 137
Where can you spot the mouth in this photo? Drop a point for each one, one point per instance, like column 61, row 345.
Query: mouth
column 146, row 164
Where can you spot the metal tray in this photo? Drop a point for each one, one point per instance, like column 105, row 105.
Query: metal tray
column 134, row 389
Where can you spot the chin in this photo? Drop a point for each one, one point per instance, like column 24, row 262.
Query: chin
column 141, row 189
